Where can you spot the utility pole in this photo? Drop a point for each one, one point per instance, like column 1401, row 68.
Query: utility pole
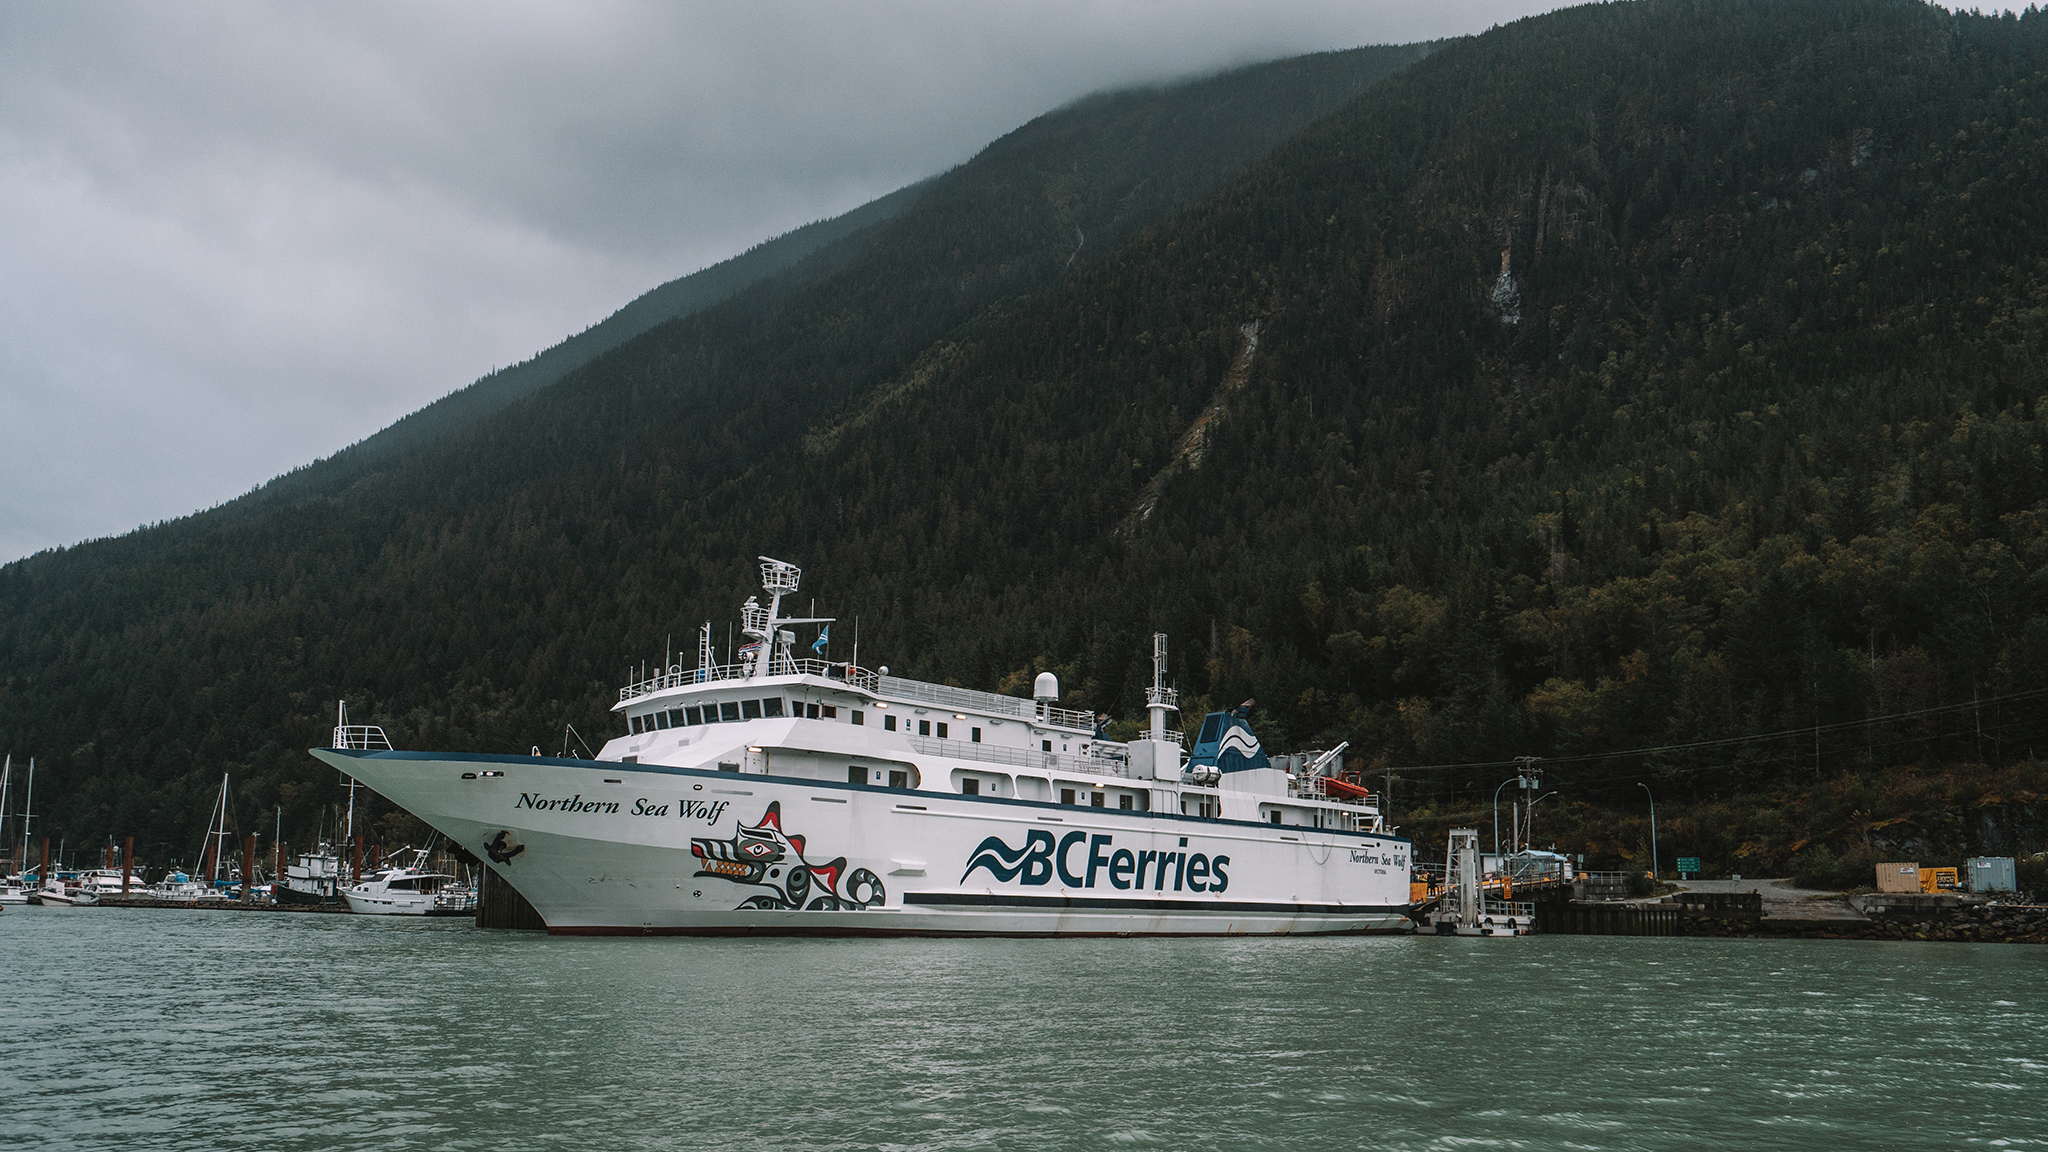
column 1532, row 780
column 1653, row 827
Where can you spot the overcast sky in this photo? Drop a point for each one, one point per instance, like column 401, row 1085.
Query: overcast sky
column 235, row 237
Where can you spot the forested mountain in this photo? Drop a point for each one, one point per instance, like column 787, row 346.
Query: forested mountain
column 1652, row 387
column 138, row 668
column 677, row 298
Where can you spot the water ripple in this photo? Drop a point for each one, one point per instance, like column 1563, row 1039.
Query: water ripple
column 153, row 1029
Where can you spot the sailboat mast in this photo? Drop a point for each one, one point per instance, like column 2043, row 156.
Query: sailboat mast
column 28, row 810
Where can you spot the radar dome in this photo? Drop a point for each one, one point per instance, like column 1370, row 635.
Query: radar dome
column 1046, row 687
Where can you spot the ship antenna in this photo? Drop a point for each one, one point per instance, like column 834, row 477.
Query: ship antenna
column 779, row 578
column 1160, row 699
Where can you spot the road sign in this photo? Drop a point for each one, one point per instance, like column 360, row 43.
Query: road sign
column 1689, row 864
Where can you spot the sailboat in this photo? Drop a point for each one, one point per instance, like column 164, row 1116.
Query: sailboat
column 13, row 889
column 213, row 847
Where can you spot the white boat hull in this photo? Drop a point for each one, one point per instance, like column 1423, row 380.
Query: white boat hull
column 54, row 899
column 670, row 850
column 390, row 903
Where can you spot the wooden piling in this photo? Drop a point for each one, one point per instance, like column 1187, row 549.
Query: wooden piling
column 1566, row 919
column 499, row 905
column 127, row 863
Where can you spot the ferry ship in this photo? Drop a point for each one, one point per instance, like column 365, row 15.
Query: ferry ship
column 782, row 794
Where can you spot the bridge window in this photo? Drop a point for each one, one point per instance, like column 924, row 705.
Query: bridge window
column 692, row 716
column 771, row 707
column 750, row 709
column 970, row 787
column 729, row 710
column 634, row 721
column 660, row 719
column 675, row 718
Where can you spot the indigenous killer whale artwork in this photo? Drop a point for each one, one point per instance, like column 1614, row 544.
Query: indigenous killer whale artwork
column 763, row 856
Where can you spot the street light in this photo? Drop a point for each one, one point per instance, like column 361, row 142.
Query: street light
column 1529, row 816
column 1653, row 827
column 1496, row 811
column 1524, row 777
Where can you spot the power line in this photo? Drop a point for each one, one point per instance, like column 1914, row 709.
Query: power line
column 1728, row 741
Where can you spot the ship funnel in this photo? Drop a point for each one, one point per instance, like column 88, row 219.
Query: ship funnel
column 1046, row 688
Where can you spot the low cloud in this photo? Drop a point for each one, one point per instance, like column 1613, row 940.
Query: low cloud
column 241, row 236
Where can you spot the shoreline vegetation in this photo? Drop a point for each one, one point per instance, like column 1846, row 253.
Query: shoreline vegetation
column 1827, row 834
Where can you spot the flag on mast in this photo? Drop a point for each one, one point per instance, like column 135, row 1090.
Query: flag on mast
column 818, row 645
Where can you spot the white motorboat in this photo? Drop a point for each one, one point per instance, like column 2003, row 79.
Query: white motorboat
column 409, row 890
column 59, row 896
column 107, row 882
column 181, row 887
column 772, row 794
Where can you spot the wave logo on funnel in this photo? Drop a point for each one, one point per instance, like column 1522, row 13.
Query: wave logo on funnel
column 1227, row 743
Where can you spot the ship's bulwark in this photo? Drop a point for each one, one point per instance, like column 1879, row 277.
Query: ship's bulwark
column 667, row 851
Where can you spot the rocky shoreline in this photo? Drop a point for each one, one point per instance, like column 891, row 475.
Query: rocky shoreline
column 1979, row 924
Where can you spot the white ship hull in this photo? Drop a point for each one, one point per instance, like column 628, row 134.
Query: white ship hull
column 603, row 847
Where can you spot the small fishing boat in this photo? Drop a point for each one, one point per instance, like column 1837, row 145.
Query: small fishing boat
column 315, row 879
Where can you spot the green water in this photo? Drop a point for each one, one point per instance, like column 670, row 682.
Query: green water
column 161, row 1029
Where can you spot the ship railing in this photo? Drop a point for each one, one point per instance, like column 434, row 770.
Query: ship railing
column 679, row 677
column 1020, row 757
column 895, row 687
column 366, row 737
column 986, row 702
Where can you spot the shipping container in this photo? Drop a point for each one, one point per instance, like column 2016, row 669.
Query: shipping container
column 1898, row 877
column 1938, row 880
column 1991, row 874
